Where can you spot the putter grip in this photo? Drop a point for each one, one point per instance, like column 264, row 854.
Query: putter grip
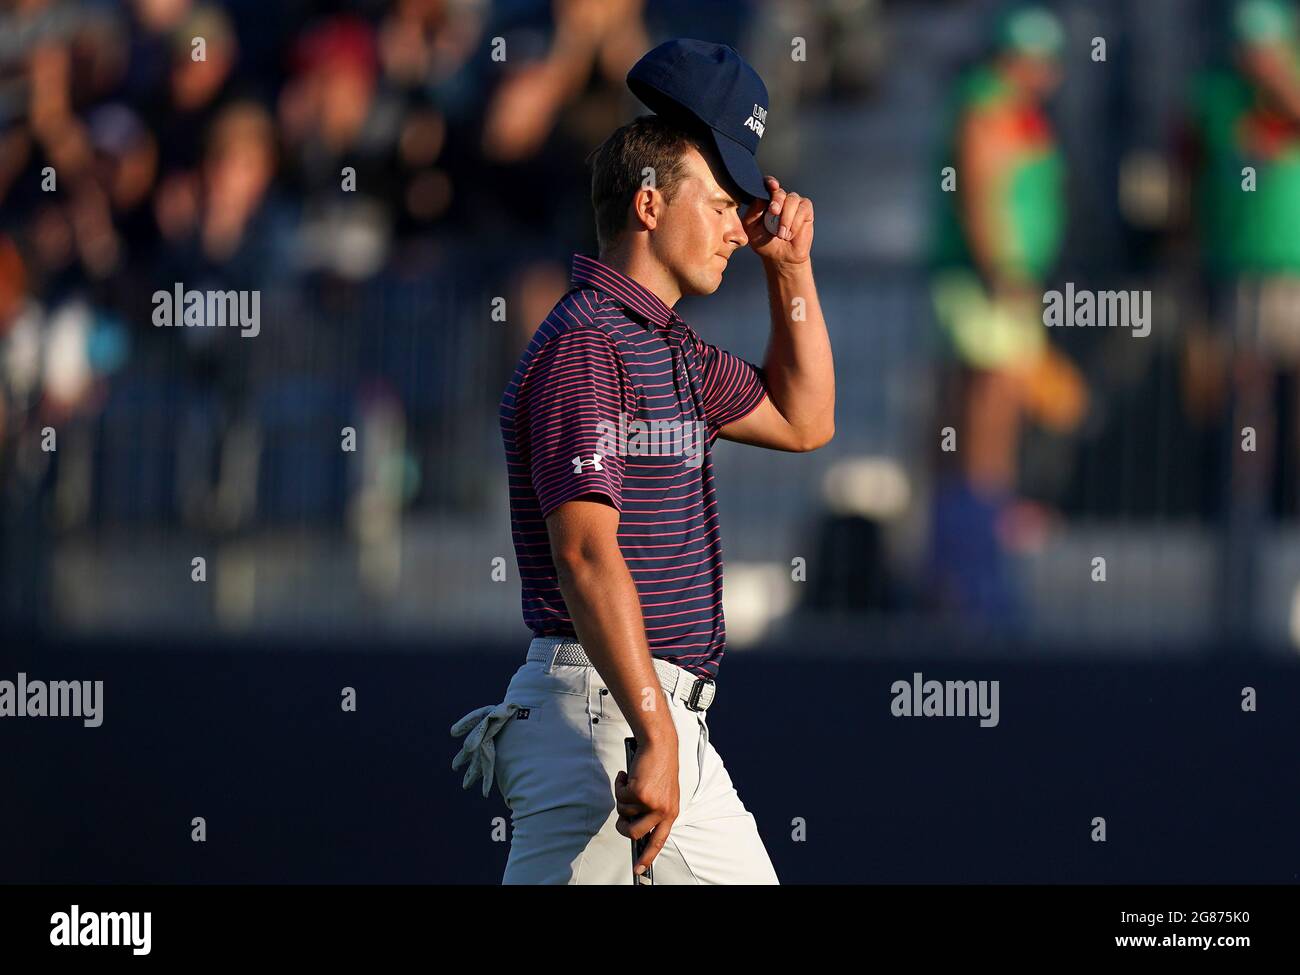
column 647, row 878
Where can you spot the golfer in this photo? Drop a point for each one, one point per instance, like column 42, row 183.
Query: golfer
column 608, row 425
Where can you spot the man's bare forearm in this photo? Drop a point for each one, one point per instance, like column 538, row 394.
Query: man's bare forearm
column 798, row 366
column 602, row 600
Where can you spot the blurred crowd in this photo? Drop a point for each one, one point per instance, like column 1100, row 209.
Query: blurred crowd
column 382, row 171
column 345, row 158
column 1226, row 190
column 242, row 146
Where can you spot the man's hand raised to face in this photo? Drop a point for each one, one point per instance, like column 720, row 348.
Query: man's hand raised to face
column 792, row 242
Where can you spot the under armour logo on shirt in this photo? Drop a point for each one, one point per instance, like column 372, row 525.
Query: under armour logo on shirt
column 595, row 463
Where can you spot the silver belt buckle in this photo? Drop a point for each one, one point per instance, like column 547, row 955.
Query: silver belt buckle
column 697, row 693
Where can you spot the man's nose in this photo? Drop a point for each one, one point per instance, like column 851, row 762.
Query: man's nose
column 736, row 230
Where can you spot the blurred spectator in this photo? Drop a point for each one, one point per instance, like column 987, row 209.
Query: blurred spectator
column 331, row 118
column 194, row 90
column 1248, row 206
column 238, row 165
column 604, row 36
column 999, row 235
column 559, row 91
column 426, row 42
column 126, row 162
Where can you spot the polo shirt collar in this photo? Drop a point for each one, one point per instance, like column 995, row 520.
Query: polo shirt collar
column 635, row 297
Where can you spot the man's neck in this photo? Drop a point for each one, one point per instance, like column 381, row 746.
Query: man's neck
column 645, row 271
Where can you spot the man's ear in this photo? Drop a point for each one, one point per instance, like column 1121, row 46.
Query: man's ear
column 647, row 207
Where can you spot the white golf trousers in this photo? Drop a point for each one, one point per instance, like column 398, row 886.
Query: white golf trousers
column 555, row 768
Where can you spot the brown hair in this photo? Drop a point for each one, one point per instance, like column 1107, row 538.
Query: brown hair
column 617, row 164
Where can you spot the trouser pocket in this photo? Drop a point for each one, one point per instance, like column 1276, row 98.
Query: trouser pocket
column 544, row 759
column 610, row 726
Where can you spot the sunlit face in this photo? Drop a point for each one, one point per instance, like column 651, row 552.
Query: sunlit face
column 700, row 229
column 1038, row 77
column 239, row 174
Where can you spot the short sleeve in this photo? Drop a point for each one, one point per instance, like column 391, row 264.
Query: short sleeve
column 733, row 387
column 574, row 392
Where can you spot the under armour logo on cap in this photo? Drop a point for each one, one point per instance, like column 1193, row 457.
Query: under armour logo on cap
column 595, row 463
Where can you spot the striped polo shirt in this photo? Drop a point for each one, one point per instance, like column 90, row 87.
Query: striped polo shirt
column 616, row 395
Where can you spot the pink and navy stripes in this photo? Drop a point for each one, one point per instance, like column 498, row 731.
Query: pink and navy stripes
column 609, row 347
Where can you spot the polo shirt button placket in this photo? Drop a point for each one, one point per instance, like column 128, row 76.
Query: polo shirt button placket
column 673, row 340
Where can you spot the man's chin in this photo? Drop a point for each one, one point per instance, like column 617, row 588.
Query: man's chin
column 706, row 286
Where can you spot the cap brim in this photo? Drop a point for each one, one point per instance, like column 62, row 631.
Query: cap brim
column 741, row 166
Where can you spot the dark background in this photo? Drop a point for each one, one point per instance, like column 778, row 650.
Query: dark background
column 294, row 791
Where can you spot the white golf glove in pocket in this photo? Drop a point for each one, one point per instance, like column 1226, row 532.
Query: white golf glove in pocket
column 478, row 749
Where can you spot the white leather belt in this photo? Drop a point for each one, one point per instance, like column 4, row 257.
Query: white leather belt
column 697, row 693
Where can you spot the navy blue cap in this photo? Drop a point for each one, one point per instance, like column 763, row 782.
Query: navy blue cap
column 709, row 83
